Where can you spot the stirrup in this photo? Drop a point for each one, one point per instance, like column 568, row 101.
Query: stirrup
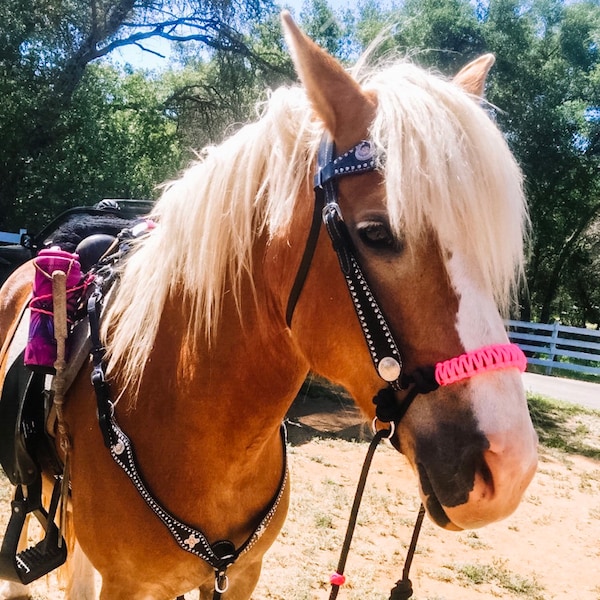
column 45, row 556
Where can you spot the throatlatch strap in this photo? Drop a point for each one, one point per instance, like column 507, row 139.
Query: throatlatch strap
column 325, row 156
column 302, row 273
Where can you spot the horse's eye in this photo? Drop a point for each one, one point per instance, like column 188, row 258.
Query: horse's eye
column 377, row 235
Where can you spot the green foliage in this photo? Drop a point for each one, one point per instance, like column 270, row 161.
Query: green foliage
column 498, row 573
column 546, row 85
column 543, row 84
column 72, row 134
column 54, row 153
column 446, row 32
column 329, row 28
column 212, row 98
column 565, row 426
column 116, row 140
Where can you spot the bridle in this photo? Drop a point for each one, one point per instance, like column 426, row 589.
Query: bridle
column 384, row 350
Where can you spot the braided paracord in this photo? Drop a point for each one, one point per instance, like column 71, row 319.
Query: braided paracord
column 489, row 358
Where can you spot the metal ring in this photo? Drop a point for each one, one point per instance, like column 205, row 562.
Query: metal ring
column 218, row 578
column 333, row 209
column 391, row 431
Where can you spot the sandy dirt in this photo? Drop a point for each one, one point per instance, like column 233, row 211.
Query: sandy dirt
column 549, row 549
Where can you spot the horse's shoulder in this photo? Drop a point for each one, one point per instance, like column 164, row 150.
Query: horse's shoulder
column 14, row 295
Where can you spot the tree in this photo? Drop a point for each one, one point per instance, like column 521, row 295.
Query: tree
column 444, row 34
column 116, row 140
column 546, row 85
column 213, row 97
column 45, row 49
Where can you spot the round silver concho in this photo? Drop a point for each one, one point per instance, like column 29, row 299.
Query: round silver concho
column 388, row 368
column 119, row 447
column 364, row 151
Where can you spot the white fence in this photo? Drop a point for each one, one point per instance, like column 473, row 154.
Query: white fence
column 557, row 346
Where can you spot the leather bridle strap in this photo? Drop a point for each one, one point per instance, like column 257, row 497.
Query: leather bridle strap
column 325, row 156
column 383, row 349
column 382, row 346
column 302, row 273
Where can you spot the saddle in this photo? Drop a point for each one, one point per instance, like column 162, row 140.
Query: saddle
column 27, row 444
column 27, row 412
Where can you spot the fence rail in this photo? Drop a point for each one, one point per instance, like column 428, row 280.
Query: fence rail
column 557, row 346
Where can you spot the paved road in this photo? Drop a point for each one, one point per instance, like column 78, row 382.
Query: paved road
column 583, row 393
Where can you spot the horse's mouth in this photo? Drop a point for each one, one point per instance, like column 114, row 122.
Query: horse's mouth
column 435, row 510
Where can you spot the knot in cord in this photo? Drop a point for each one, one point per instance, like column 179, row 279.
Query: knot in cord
column 386, row 405
column 423, row 379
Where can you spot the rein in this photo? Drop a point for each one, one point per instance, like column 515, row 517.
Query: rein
column 384, row 351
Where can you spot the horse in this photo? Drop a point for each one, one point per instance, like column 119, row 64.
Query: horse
column 221, row 311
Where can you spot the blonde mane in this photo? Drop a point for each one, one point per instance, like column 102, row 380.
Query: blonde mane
column 445, row 165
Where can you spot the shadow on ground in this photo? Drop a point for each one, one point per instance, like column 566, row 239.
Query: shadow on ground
column 322, row 410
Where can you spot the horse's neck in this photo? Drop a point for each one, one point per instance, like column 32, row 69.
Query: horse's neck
column 249, row 373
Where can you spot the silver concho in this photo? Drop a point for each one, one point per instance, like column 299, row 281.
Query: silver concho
column 388, row 368
column 364, row 151
column 119, row 447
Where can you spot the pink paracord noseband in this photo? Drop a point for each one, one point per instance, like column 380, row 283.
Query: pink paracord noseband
column 489, row 358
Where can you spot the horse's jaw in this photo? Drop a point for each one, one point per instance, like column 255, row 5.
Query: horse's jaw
column 473, row 466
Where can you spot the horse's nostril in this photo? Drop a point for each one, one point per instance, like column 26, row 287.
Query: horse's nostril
column 486, row 474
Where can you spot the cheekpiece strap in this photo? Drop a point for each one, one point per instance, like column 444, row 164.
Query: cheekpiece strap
column 378, row 336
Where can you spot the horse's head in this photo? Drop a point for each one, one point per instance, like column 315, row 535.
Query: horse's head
column 437, row 228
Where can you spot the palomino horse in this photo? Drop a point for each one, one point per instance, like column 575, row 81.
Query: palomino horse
column 206, row 350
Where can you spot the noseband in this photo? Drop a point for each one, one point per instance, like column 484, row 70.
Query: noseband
column 385, row 352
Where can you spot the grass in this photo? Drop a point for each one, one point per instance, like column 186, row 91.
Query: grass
column 566, row 427
column 498, row 573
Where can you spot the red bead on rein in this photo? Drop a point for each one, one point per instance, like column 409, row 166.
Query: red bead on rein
column 337, row 579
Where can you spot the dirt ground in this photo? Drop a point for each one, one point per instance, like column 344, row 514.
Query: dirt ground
column 549, row 549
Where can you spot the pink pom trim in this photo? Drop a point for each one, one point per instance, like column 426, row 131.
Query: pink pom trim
column 490, row 358
column 337, row 579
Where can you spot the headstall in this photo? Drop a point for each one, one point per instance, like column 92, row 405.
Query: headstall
column 383, row 348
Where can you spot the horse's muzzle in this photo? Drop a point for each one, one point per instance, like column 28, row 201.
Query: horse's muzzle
column 486, row 487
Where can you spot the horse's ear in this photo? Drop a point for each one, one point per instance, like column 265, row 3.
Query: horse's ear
column 336, row 97
column 471, row 78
